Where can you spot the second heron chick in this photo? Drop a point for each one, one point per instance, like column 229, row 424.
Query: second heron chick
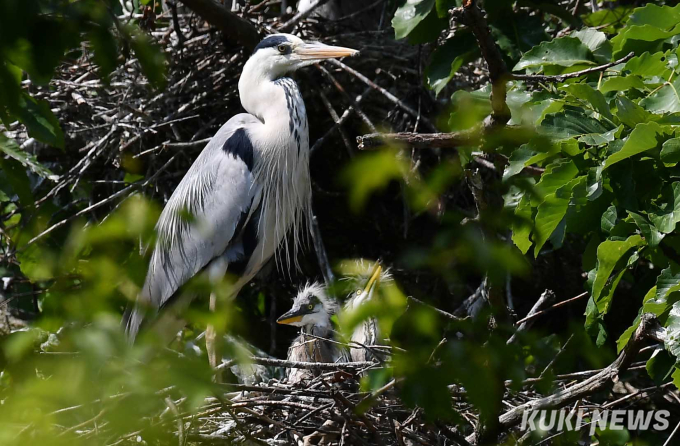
column 365, row 284
column 312, row 310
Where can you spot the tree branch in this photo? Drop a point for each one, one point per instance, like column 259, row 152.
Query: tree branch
column 419, row 140
column 470, row 15
column 649, row 328
column 563, row 77
column 234, row 27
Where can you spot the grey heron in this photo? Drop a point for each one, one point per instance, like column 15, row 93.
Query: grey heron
column 247, row 189
column 312, row 310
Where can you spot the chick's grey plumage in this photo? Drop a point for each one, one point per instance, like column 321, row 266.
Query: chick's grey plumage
column 246, row 190
column 311, row 311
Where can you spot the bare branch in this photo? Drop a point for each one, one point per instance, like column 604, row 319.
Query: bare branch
column 234, row 27
column 563, row 77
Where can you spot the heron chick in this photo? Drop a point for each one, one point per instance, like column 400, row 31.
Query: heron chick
column 247, row 189
column 312, row 310
column 366, row 281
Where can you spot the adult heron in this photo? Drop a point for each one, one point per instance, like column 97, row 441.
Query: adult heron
column 246, row 190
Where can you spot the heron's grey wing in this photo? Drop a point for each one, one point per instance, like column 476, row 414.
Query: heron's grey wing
column 203, row 215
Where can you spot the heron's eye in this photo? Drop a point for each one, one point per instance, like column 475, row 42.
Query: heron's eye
column 310, row 306
column 358, row 292
column 282, row 49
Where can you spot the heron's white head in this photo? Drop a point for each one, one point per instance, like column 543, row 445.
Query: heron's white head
column 279, row 54
column 311, row 307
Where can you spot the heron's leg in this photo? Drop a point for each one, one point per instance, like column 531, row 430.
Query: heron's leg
column 211, row 344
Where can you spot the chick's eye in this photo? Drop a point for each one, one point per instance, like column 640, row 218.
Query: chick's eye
column 282, row 49
column 310, row 306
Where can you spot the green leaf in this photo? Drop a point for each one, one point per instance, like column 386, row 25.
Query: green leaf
column 660, row 366
column 521, row 227
column 40, row 121
column 608, row 220
column 619, row 83
column 409, row 15
column 652, row 236
column 36, row 264
column 668, row 213
column 641, row 38
column 630, row 113
column 10, row 148
column 151, row 59
column 569, row 123
column 552, row 211
column 670, row 151
column 647, row 65
column 469, row 108
column 557, row 174
column 672, row 341
column 608, row 254
column 597, row 43
column 593, row 97
column 665, row 100
column 642, row 138
column 564, row 52
column 448, row 58
column 596, row 139
column 659, row 16
column 13, row 174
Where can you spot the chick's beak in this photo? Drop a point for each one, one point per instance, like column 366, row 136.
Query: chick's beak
column 375, row 278
column 292, row 316
column 319, row 51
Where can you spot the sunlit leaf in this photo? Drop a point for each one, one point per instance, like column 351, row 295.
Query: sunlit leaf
column 409, row 15
column 563, row 51
column 643, row 138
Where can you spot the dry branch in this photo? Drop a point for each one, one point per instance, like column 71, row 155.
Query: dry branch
column 234, row 27
column 649, row 328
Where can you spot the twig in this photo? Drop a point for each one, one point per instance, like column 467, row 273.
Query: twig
column 649, row 328
column 419, row 140
column 384, row 92
column 234, row 27
column 470, row 15
column 437, row 310
column 557, row 305
column 563, row 77
column 312, row 365
column 547, row 298
column 290, row 24
column 320, row 250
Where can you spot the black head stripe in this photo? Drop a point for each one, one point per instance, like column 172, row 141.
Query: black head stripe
column 271, row 41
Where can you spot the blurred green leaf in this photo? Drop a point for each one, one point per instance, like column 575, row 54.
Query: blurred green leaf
column 409, row 15
column 469, row 108
column 40, row 121
column 448, row 58
column 151, row 59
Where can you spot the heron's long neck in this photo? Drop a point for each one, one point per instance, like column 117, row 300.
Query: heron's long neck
column 270, row 99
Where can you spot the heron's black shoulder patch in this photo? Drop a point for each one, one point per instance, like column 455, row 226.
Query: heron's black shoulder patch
column 240, row 146
column 270, row 42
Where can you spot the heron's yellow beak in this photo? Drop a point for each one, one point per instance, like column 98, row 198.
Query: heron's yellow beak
column 318, row 51
column 375, row 278
column 288, row 320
